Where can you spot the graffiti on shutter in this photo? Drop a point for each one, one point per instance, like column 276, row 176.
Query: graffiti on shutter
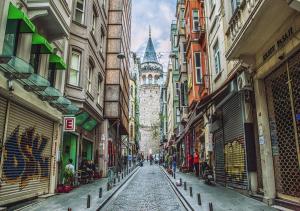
column 234, row 149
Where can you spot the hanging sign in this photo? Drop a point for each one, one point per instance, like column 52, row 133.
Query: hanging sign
column 69, row 124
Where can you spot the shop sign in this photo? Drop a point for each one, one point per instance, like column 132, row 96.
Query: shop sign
column 69, row 124
column 280, row 43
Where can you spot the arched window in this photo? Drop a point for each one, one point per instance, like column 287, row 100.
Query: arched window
column 156, row 78
column 150, row 79
column 144, row 79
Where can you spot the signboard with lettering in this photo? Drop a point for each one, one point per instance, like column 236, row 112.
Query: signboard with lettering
column 280, row 43
column 69, row 124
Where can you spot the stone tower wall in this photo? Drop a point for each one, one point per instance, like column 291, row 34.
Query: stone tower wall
column 149, row 117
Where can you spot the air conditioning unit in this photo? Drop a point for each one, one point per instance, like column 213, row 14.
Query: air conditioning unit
column 244, row 81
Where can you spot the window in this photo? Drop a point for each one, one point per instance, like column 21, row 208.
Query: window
column 217, row 57
column 51, row 76
column 99, row 90
column 79, row 11
column 198, row 68
column 131, row 91
column 177, row 115
column 75, row 68
column 177, row 89
column 144, row 79
column 102, row 39
column 150, row 78
column 10, row 39
column 90, row 77
column 35, row 61
column 234, row 5
column 184, row 52
column 131, row 131
column 94, row 20
column 195, row 20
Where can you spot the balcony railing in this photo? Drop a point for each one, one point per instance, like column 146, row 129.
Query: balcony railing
column 240, row 18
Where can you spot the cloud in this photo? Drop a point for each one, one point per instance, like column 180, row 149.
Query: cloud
column 159, row 14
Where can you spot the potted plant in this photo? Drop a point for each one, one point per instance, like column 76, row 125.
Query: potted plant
column 68, row 176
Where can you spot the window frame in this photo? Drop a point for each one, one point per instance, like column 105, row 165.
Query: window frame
column 99, row 86
column 196, row 19
column 178, row 115
column 94, row 20
column 197, row 80
column 217, row 57
column 79, row 54
column 90, row 74
column 76, row 9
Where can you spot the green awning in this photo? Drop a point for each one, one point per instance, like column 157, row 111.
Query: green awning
column 57, row 62
column 14, row 14
column 40, row 45
column 81, row 118
column 89, row 125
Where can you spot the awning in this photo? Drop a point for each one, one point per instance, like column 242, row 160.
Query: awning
column 35, row 82
column 15, row 68
column 81, row 118
column 49, row 94
column 89, row 125
column 40, row 45
column 14, row 14
column 57, row 62
column 72, row 109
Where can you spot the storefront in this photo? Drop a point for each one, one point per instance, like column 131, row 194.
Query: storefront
column 228, row 128
column 283, row 98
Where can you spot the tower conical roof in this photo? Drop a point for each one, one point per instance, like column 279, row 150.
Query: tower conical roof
column 150, row 54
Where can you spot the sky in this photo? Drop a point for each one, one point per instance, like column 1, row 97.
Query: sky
column 159, row 15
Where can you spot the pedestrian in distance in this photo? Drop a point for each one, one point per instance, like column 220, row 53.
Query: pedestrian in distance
column 174, row 162
column 196, row 162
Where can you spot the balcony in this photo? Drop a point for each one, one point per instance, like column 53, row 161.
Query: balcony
column 252, row 24
column 53, row 14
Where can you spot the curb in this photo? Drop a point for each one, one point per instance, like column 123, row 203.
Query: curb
column 178, row 191
column 103, row 203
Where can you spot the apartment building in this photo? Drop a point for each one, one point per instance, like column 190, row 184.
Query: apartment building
column 33, row 45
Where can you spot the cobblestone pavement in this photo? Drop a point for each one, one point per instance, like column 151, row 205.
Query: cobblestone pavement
column 148, row 190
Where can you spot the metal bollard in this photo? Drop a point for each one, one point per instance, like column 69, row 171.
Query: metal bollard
column 180, row 181
column 114, row 181
column 100, row 192
column 184, row 184
column 69, row 209
column 199, row 199
column 107, row 186
column 174, row 175
column 122, row 175
column 118, row 178
column 88, row 203
column 210, row 206
column 191, row 191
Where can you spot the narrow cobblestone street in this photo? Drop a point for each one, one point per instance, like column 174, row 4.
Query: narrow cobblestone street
column 148, row 190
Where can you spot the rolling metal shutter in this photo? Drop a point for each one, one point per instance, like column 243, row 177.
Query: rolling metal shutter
column 284, row 127
column 27, row 155
column 219, row 157
column 3, row 105
column 234, row 143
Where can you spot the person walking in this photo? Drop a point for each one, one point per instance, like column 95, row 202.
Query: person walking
column 174, row 162
column 196, row 162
